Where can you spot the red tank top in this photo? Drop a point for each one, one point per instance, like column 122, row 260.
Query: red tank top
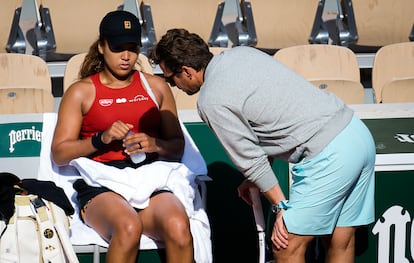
column 131, row 104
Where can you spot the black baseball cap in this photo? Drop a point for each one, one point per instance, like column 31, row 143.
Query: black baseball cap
column 120, row 27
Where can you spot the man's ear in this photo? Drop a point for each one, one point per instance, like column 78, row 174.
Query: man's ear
column 188, row 71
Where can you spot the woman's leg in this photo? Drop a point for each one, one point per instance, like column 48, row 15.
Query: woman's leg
column 118, row 223
column 165, row 219
column 121, row 225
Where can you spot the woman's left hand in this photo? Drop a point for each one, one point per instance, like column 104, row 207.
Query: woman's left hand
column 139, row 142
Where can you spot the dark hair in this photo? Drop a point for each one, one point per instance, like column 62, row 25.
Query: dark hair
column 178, row 48
column 93, row 62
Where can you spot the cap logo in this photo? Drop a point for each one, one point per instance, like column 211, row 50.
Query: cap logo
column 127, row 24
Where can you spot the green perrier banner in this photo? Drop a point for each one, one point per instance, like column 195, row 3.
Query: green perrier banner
column 21, row 139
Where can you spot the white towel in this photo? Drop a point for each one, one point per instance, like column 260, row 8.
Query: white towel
column 178, row 177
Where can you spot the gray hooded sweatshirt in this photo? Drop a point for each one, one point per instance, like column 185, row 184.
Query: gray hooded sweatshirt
column 257, row 107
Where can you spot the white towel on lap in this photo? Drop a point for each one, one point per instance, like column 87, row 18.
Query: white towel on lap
column 136, row 185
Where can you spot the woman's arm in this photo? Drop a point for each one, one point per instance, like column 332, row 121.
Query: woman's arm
column 66, row 144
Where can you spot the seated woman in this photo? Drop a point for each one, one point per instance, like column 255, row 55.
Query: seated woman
column 114, row 112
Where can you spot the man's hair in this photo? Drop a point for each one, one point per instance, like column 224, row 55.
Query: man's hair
column 178, row 48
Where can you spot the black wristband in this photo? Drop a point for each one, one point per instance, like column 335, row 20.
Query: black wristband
column 97, row 140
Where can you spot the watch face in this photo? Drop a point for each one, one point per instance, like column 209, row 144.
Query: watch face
column 275, row 208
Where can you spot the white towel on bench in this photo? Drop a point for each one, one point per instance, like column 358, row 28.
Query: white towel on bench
column 177, row 177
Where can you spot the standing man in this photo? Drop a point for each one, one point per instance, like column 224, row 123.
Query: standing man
column 259, row 110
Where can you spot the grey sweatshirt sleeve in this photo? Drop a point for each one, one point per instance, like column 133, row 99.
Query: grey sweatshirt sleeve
column 240, row 143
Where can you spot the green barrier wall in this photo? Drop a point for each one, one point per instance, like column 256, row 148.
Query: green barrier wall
column 390, row 237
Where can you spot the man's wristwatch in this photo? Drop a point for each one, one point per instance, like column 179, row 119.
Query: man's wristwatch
column 276, row 208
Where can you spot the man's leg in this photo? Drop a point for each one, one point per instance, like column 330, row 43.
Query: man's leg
column 295, row 251
column 341, row 245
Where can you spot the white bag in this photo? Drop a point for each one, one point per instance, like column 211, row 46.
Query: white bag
column 37, row 232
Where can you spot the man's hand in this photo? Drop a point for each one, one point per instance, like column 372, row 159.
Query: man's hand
column 280, row 233
column 244, row 192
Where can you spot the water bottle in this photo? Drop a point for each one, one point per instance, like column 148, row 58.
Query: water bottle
column 137, row 157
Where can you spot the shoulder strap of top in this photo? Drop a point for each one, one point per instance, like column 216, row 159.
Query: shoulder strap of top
column 148, row 88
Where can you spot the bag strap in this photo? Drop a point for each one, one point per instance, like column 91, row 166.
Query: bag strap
column 62, row 224
column 51, row 246
column 66, row 244
column 47, row 214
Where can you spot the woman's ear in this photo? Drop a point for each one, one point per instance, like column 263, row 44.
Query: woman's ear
column 100, row 47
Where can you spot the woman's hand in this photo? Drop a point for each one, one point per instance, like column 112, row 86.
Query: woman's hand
column 140, row 142
column 117, row 131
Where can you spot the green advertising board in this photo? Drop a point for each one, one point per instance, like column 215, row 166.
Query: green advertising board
column 20, row 139
column 391, row 237
column 393, row 135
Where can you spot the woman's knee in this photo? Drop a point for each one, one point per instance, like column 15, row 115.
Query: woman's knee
column 177, row 230
column 128, row 230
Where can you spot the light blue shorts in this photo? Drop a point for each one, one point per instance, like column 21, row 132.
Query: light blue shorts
column 336, row 187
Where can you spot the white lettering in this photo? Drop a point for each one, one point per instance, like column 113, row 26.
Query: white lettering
column 398, row 217
column 138, row 98
column 404, row 137
column 23, row 135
